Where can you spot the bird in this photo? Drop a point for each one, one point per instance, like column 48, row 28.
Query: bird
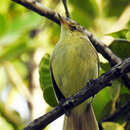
column 73, row 62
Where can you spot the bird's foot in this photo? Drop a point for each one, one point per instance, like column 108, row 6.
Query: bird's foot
column 67, row 113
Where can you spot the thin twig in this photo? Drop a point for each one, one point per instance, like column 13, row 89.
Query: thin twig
column 91, row 88
column 17, row 81
column 66, row 9
column 99, row 45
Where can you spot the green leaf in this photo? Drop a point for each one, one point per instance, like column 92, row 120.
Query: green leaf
column 100, row 100
column 114, row 7
column 2, row 24
column 112, row 126
column 128, row 25
column 119, row 34
column 19, row 26
column 21, row 68
column 84, row 12
column 106, row 110
column 4, row 6
column 115, row 89
column 5, row 125
column 123, row 99
column 89, row 6
column 105, row 66
column 124, row 114
column 45, row 81
column 125, row 90
column 121, row 48
column 115, row 93
column 14, row 50
column 3, row 78
column 128, row 35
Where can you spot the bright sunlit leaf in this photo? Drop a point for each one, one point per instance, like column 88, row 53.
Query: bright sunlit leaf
column 112, row 126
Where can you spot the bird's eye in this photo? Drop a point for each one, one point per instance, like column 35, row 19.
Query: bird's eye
column 72, row 28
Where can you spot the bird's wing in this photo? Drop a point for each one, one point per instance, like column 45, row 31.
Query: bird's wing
column 58, row 93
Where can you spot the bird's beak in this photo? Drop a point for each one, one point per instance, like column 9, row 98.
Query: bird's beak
column 62, row 20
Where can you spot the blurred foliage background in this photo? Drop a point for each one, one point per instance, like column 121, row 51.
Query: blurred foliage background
column 25, row 37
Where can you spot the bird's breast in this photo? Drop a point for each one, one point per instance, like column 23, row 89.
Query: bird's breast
column 73, row 65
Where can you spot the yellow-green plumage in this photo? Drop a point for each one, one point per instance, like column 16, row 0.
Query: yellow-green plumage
column 74, row 62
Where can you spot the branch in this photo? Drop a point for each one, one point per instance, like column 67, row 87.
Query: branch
column 66, row 9
column 39, row 8
column 109, row 55
column 91, row 88
column 99, row 45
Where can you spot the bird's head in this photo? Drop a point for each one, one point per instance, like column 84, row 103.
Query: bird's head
column 70, row 25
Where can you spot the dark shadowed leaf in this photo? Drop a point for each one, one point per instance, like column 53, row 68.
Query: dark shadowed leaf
column 105, row 66
column 106, row 110
column 114, row 7
column 123, row 115
column 84, row 12
column 125, row 90
column 121, row 48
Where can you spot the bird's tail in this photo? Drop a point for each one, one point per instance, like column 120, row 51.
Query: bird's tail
column 86, row 120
